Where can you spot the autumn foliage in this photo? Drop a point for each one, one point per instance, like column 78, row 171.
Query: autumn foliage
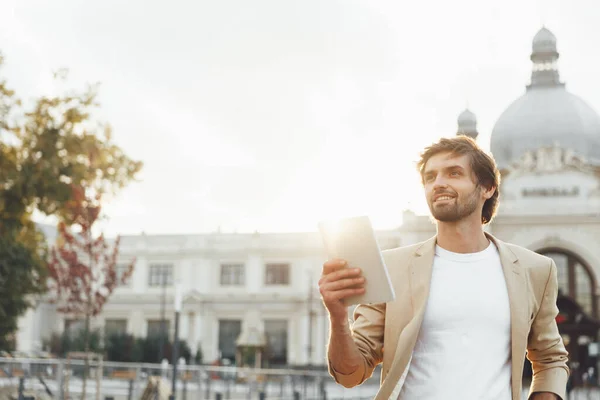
column 49, row 147
column 83, row 268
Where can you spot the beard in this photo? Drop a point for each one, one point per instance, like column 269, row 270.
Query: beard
column 455, row 210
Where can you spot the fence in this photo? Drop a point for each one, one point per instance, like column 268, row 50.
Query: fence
column 41, row 379
column 63, row 379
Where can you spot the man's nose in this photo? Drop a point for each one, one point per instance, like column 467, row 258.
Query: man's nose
column 440, row 182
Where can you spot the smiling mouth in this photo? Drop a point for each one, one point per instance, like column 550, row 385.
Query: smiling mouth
column 443, row 198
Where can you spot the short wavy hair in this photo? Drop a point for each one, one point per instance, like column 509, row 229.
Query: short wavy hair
column 483, row 166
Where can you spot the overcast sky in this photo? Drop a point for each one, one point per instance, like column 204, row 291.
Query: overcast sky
column 271, row 114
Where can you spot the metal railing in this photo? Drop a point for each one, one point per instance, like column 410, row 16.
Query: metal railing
column 62, row 379
column 38, row 379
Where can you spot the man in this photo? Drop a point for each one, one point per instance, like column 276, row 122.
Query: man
column 468, row 306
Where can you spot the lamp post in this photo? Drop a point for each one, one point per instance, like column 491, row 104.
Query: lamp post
column 176, row 339
column 162, row 333
column 309, row 346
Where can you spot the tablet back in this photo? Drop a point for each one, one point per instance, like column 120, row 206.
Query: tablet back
column 353, row 239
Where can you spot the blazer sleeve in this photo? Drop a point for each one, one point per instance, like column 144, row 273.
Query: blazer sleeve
column 367, row 333
column 545, row 348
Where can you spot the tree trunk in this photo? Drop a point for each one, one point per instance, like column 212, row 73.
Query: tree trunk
column 86, row 363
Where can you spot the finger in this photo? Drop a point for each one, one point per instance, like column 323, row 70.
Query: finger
column 344, row 273
column 342, row 294
column 333, row 265
column 342, row 284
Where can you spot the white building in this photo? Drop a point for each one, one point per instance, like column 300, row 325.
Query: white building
column 547, row 144
column 231, row 283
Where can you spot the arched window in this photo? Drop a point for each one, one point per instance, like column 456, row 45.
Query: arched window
column 575, row 278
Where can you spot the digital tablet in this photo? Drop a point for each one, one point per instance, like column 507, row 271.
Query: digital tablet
column 353, row 240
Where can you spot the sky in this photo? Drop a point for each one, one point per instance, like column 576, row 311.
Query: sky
column 270, row 115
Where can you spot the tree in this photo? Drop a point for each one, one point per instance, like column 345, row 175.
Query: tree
column 17, row 276
column 82, row 268
column 45, row 151
column 22, row 246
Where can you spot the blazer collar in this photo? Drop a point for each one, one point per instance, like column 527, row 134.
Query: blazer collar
column 506, row 253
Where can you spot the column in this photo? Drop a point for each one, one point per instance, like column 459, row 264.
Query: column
column 205, row 274
column 211, row 344
column 294, row 341
column 139, row 279
column 322, row 337
column 26, row 331
column 254, row 274
column 304, row 334
column 203, row 335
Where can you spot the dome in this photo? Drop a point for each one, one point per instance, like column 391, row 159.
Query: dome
column 467, row 124
column 467, row 117
column 544, row 42
column 543, row 117
column 547, row 114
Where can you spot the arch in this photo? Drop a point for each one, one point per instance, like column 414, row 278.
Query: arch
column 573, row 262
column 582, row 261
column 573, row 247
column 578, row 306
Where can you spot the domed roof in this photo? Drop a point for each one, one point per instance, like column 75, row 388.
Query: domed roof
column 542, row 117
column 467, row 124
column 467, row 117
column 546, row 114
column 544, row 41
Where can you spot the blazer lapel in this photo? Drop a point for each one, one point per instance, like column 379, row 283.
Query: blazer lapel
column 420, row 275
column 516, row 286
column 421, row 267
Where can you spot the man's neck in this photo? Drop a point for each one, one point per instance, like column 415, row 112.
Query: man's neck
column 462, row 236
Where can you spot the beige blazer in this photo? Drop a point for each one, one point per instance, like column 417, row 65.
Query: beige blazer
column 532, row 288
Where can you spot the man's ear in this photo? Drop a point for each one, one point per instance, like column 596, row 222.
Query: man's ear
column 489, row 192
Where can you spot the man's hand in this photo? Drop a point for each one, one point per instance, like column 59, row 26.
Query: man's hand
column 337, row 283
column 544, row 396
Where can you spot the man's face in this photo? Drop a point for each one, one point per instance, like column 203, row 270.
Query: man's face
column 450, row 187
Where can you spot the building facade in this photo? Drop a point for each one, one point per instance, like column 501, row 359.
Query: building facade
column 232, row 284
column 547, row 144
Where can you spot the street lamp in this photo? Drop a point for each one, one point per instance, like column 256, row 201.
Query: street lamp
column 177, row 306
column 161, row 341
column 310, row 313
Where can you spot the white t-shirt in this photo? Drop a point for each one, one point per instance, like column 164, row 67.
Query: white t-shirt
column 463, row 348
